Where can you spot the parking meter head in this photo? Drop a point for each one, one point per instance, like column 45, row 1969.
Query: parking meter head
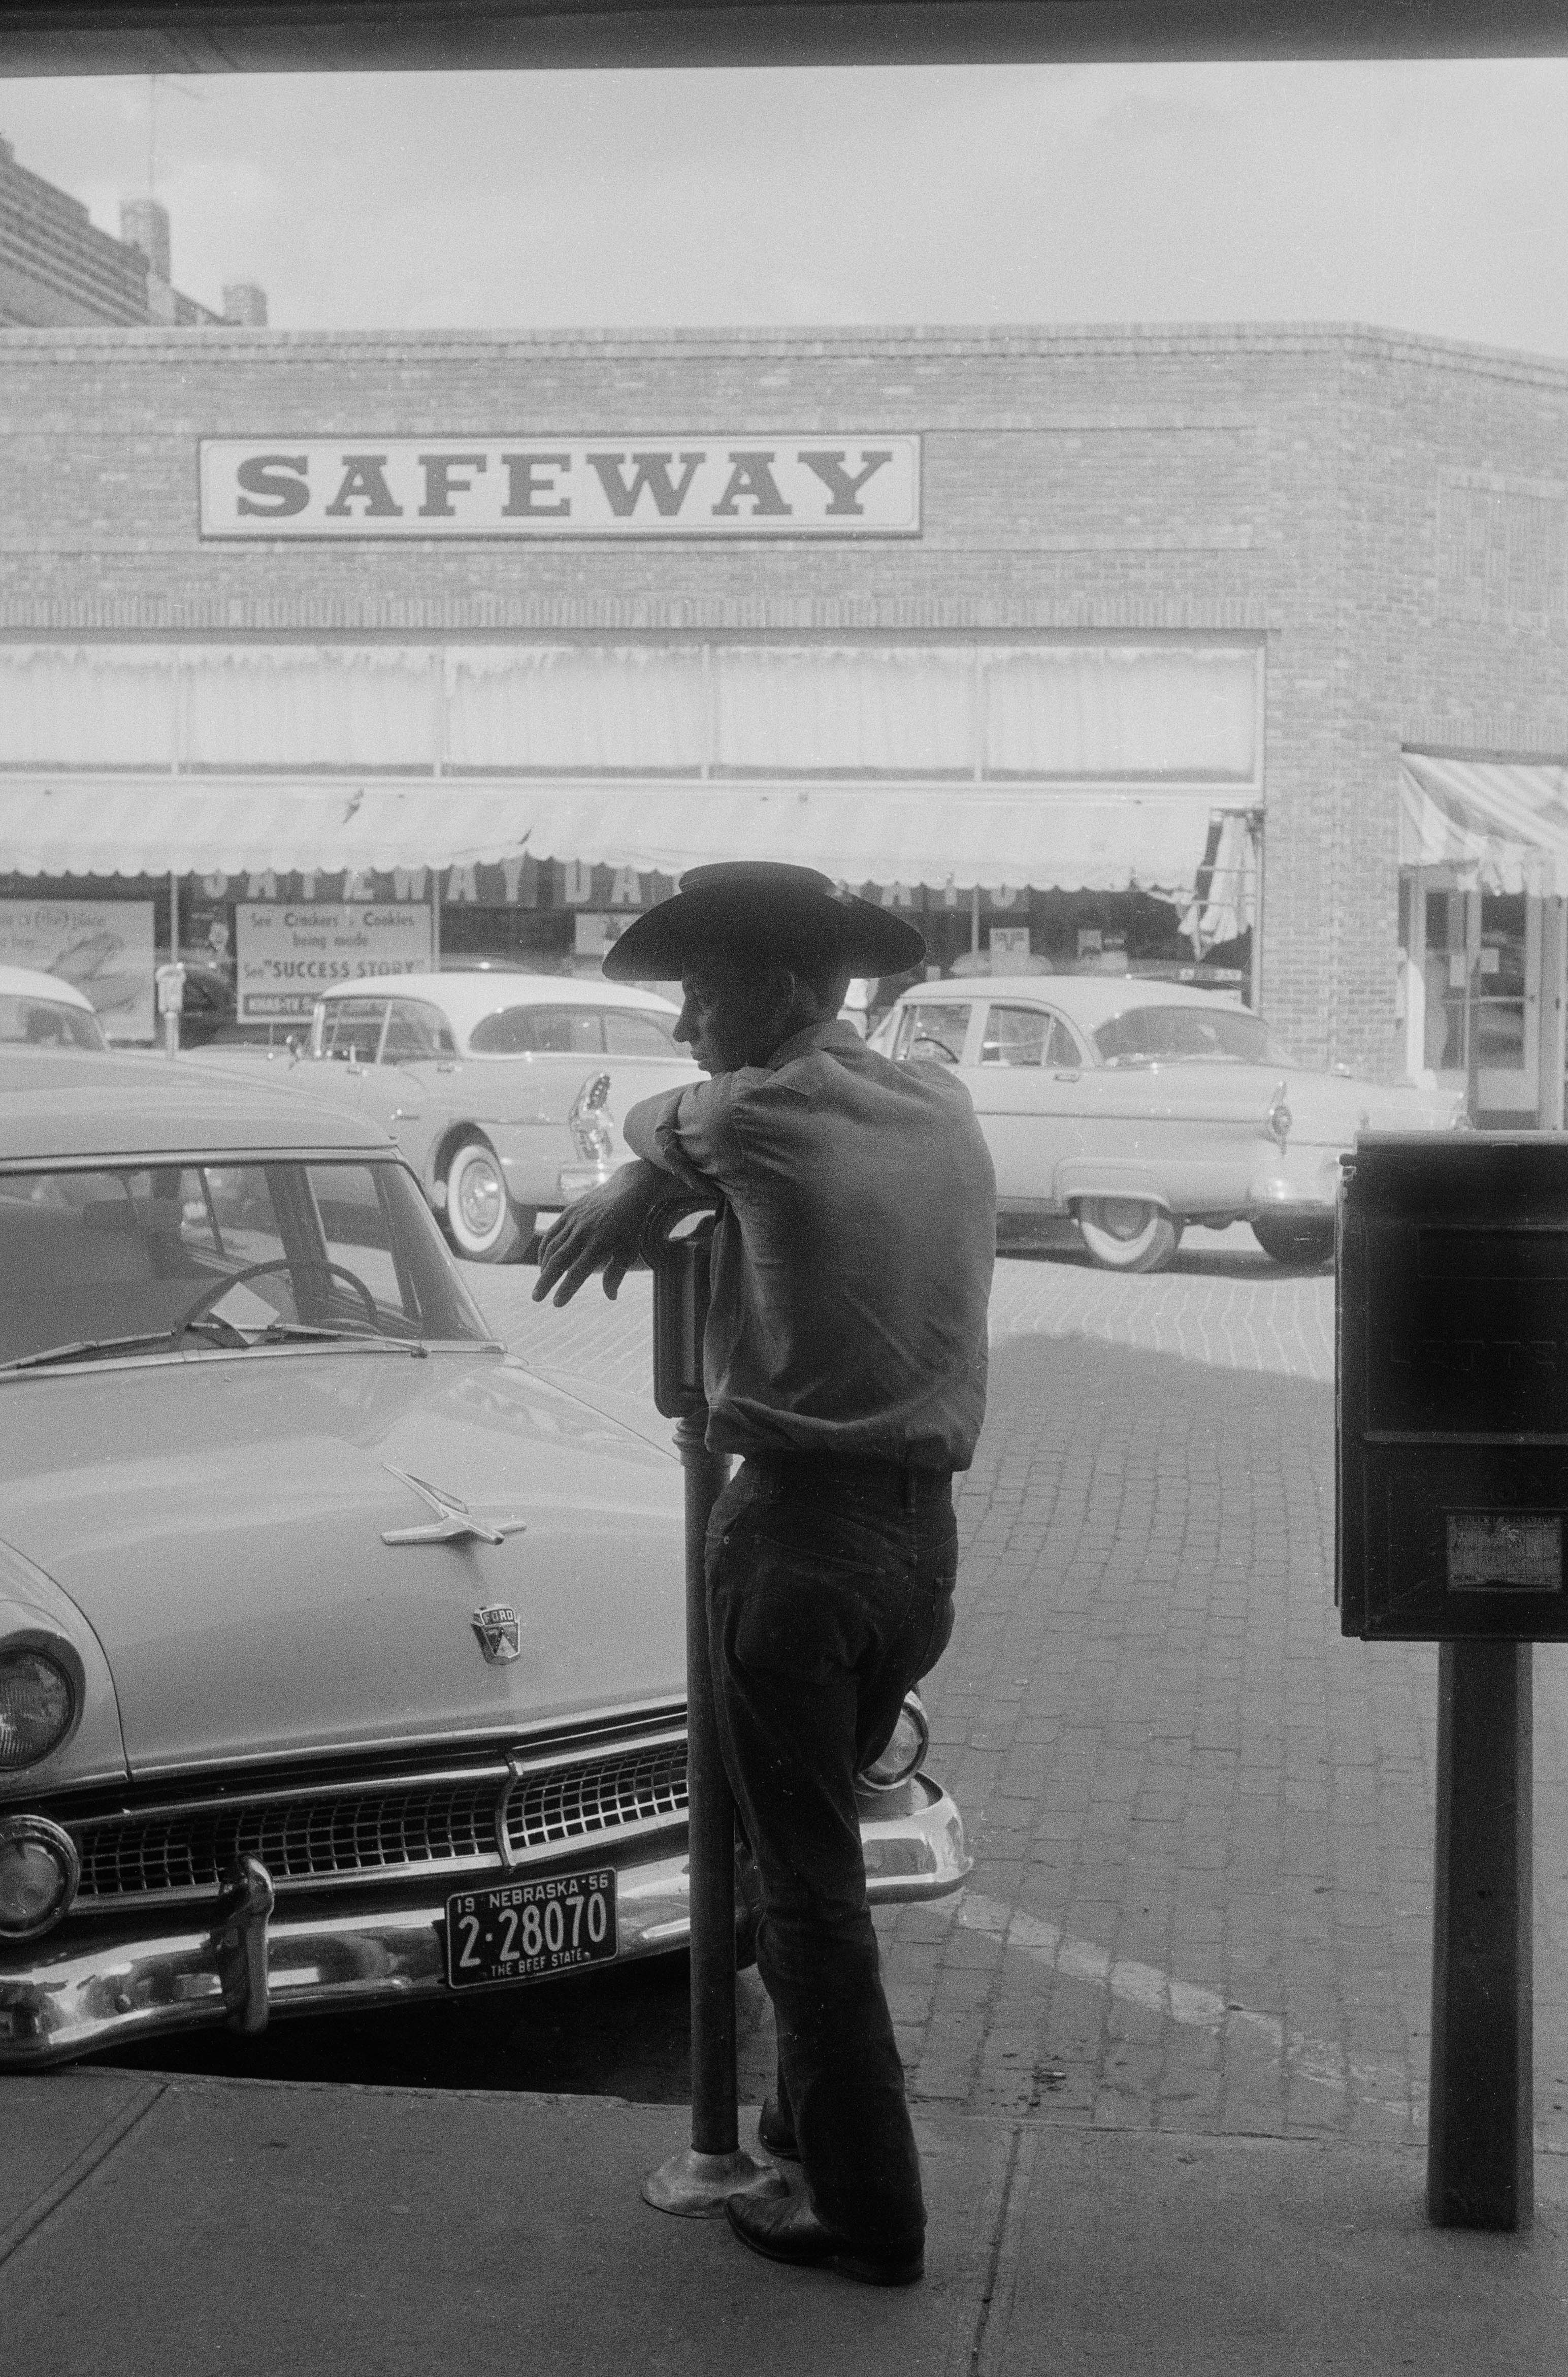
column 677, row 1243
column 761, row 911
column 1452, row 1359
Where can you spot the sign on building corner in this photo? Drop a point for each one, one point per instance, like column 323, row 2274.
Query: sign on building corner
column 696, row 485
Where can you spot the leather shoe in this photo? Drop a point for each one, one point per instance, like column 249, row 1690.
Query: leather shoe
column 785, row 2228
column 775, row 2134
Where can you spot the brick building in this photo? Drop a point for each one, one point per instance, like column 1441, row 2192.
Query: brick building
column 1088, row 646
column 58, row 269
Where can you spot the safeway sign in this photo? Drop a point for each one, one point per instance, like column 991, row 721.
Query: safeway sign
column 665, row 486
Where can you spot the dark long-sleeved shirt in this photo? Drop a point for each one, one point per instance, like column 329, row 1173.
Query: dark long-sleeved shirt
column 852, row 1261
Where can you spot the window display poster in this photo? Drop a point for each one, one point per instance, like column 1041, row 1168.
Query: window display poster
column 288, row 955
column 103, row 946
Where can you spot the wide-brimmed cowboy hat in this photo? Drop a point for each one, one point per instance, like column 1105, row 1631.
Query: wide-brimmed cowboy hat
column 761, row 910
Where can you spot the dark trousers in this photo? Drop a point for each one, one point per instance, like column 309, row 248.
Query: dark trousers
column 830, row 1591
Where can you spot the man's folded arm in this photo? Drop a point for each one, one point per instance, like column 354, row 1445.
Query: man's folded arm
column 641, row 1127
column 683, row 1132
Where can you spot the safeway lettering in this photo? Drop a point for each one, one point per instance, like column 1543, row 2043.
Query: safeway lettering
column 434, row 488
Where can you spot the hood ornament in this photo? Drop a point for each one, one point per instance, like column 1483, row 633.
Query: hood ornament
column 454, row 1522
column 499, row 1630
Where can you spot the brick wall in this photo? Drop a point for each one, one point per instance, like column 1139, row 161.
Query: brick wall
column 1388, row 512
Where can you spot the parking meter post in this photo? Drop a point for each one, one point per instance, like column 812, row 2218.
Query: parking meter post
column 168, row 983
column 711, row 1830
column 698, row 2181
column 1481, row 2148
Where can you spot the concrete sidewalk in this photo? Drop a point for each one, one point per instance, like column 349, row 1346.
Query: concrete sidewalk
column 183, row 2228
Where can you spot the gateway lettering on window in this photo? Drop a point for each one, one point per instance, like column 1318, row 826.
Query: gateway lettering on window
column 691, row 486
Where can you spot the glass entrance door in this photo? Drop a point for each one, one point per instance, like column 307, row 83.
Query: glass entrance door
column 1483, row 971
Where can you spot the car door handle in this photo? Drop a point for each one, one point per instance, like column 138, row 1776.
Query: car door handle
column 404, row 1114
column 446, row 1068
column 1065, row 1076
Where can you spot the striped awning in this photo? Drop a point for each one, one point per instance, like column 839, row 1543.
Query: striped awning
column 886, row 834
column 1502, row 826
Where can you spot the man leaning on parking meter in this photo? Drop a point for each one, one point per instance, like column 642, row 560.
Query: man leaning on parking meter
column 844, row 1364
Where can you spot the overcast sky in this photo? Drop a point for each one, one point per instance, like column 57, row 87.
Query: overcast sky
column 1429, row 195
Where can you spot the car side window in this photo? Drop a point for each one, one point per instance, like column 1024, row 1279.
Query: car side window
column 539, row 1031
column 1027, row 1035
column 416, row 1030
column 351, row 1029
column 1226, row 1034
column 932, row 1033
column 637, row 1032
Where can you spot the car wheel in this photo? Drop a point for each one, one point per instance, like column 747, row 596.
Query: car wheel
column 1127, row 1233
column 1306, row 1244
column 481, row 1221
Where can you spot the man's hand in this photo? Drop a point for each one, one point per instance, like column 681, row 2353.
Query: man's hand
column 602, row 1231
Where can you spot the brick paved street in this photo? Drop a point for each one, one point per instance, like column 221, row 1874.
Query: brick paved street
column 1202, row 1821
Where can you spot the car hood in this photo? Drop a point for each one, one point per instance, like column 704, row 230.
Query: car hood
column 219, row 1522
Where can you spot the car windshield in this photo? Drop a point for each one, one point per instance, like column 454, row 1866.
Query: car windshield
column 29, row 1021
column 349, row 1028
column 193, row 1255
column 1213, row 1034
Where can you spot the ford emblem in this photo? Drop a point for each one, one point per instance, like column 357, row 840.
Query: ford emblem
column 500, row 1634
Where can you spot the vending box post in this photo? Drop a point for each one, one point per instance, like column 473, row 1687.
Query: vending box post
column 1452, row 1502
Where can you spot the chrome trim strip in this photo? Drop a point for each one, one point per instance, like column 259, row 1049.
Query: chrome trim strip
column 76, row 1996
column 593, row 1726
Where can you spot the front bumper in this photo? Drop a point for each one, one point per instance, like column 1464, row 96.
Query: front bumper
column 98, row 1984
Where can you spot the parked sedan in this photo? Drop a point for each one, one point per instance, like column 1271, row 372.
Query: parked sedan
column 1119, row 1111
column 341, row 1654
column 501, row 1089
column 39, row 1011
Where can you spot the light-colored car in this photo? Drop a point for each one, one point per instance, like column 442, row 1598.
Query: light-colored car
column 341, row 1653
column 1119, row 1110
column 40, row 1010
column 501, row 1089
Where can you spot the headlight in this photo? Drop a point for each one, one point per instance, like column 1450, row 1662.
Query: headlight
column 905, row 1754
column 36, row 1707
column 39, row 1872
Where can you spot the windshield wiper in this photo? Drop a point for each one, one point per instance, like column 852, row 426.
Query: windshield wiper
column 280, row 1332
column 86, row 1349
column 83, row 1349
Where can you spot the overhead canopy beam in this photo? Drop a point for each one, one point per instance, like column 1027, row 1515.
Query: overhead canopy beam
column 191, row 37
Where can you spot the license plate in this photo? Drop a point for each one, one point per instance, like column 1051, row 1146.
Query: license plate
column 526, row 1930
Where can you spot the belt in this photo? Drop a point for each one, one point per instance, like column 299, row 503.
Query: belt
column 905, row 1481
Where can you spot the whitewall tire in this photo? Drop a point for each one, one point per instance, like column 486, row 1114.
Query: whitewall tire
column 1127, row 1233
column 481, row 1221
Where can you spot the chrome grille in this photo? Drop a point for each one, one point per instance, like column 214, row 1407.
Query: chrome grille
column 602, row 1795
column 405, row 1827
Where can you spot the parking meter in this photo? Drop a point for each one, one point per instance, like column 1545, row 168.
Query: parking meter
column 1452, row 1381
column 169, row 981
column 678, row 1250
column 699, row 2181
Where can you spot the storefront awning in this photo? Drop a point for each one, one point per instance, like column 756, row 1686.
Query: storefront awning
column 1502, row 827
column 1022, row 836
column 123, row 825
